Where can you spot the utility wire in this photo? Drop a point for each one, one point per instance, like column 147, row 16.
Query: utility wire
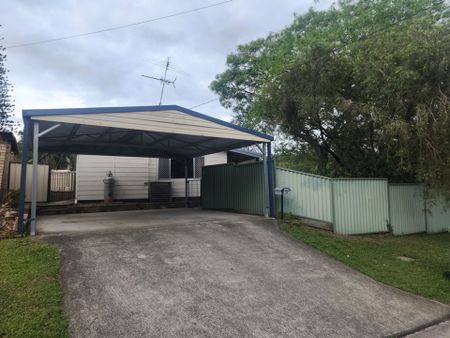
column 39, row 42
column 202, row 104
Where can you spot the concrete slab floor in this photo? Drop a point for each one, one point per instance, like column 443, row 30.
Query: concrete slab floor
column 125, row 220
column 177, row 273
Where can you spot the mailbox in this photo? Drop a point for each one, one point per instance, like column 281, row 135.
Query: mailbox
column 282, row 191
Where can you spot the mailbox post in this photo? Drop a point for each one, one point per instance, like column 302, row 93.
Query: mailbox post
column 282, row 191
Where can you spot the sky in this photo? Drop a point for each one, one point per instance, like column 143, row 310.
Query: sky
column 105, row 69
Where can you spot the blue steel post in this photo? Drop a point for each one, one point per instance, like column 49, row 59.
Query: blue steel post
column 34, row 185
column 270, row 178
column 23, row 175
column 265, row 180
column 186, row 191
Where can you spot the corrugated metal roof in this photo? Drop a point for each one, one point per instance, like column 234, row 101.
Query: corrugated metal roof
column 149, row 111
column 147, row 131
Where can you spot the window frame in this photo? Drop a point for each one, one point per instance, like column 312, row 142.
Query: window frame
column 194, row 160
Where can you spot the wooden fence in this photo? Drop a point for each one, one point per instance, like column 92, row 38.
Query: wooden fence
column 42, row 181
column 62, row 185
column 58, row 185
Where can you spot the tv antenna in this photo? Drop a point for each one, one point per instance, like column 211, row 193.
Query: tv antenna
column 163, row 80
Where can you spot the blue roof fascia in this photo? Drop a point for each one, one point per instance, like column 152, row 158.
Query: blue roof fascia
column 27, row 113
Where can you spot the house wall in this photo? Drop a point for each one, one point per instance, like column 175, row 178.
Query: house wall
column 130, row 174
column 217, row 158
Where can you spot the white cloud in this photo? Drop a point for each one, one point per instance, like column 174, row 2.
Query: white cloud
column 104, row 69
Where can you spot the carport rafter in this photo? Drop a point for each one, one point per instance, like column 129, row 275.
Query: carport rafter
column 105, row 132
column 128, row 136
column 96, row 136
column 74, row 131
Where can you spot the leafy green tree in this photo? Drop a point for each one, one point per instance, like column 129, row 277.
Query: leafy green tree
column 59, row 161
column 6, row 106
column 363, row 85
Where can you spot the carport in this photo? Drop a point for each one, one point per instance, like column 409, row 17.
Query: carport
column 141, row 131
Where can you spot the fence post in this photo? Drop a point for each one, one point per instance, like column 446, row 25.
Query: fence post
column 425, row 210
column 49, row 184
column 389, row 208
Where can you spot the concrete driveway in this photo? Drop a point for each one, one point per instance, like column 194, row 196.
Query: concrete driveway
column 178, row 273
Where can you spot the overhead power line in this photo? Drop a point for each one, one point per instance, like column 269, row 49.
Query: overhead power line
column 202, row 104
column 67, row 37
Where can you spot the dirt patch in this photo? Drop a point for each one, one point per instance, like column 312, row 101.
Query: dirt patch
column 8, row 220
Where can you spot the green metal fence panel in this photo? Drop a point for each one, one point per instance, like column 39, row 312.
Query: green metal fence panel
column 438, row 214
column 407, row 208
column 234, row 187
column 310, row 195
column 360, row 206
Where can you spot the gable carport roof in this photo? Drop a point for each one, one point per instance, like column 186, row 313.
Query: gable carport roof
column 145, row 131
column 140, row 131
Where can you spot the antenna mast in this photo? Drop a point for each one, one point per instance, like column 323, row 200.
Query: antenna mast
column 163, row 80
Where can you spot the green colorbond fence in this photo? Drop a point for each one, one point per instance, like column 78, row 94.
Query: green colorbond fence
column 407, row 209
column 353, row 206
column 438, row 214
column 362, row 206
column 234, row 187
column 311, row 196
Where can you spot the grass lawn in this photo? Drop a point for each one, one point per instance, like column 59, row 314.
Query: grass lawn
column 377, row 257
column 29, row 290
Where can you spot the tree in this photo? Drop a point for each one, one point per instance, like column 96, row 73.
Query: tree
column 6, row 106
column 59, row 160
column 363, row 85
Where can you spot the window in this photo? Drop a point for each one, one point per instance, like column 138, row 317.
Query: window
column 174, row 168
column 177, row 168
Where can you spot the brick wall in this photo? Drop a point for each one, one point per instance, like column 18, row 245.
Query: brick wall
column 5, row 158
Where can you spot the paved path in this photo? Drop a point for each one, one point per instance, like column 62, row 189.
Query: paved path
column 183, row 273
